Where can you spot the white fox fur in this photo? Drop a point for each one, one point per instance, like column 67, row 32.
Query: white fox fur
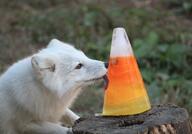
column 38, row 90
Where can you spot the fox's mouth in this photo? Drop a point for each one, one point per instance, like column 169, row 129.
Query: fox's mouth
column 94, row 79
column 104, row 77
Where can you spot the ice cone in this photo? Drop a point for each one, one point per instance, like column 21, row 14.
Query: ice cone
column 125, row 93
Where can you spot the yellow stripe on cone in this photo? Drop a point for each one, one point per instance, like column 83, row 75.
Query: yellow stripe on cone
column 126, row 93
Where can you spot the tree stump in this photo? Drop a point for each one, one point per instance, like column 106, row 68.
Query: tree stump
column 161, row 119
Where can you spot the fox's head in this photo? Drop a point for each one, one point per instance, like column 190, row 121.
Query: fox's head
column 60, row 67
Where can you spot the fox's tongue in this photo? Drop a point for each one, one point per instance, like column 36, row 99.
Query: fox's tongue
column 106, row 81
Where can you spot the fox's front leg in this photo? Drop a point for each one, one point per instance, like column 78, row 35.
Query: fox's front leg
column 69, row 117
column 46, row 128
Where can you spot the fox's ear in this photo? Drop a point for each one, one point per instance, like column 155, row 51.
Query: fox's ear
column 54, row 42
column 41, row 63
column 58, row 43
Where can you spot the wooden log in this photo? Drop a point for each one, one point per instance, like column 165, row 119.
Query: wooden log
column 161, row 119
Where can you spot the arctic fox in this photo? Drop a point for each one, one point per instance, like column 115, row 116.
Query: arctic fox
column 38, row 90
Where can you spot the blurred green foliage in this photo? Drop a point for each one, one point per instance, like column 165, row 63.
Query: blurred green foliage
column 161, row 37
column 180, row 6
column 166, row 68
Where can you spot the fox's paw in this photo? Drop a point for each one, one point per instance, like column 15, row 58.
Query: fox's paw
column 69, row 131
column 163, row 129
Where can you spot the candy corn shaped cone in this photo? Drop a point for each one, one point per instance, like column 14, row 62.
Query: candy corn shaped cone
column 125, row 93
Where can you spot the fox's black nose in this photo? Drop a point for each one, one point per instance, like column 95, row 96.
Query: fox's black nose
column 106, row 64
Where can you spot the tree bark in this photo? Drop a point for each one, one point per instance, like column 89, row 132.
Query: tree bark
column 161, row 119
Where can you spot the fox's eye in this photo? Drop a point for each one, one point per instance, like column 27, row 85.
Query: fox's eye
column 79, row 66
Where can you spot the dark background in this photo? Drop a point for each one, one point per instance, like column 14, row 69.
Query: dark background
column 160, row 32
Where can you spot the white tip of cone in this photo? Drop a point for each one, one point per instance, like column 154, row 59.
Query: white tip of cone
column 120, row 45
